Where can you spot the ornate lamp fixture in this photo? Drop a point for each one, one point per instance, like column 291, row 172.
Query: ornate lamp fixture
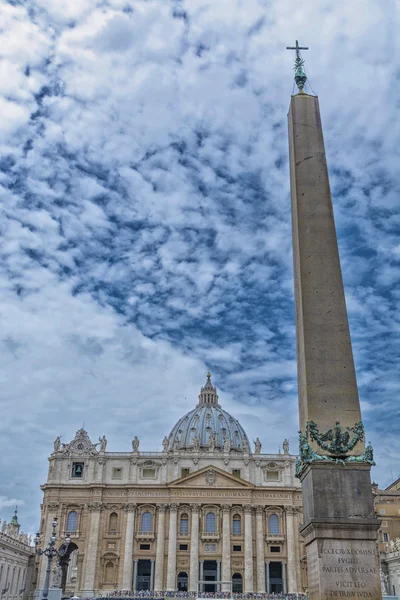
column 51, row 552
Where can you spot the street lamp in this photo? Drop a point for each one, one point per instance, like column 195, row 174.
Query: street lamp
column 50, row 552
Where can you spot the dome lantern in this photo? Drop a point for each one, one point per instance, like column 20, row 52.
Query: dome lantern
column 208, row 393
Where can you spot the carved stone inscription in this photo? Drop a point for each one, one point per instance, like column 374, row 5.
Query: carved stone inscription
column 344, row 569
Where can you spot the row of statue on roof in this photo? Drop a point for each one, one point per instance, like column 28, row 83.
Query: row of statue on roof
column 82, row 443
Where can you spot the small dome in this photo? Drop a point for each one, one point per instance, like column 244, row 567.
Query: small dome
column 208, row 419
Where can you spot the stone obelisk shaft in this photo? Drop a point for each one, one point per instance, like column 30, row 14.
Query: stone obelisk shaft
column 340, row 527
column 327, row 380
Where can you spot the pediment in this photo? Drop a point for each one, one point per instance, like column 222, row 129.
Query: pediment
column 210, row 477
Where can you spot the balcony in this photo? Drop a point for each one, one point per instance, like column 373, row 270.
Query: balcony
column 210, row 537
column 278, row 538
column 145, row 535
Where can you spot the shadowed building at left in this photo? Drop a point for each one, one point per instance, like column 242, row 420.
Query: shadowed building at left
column 16, row 561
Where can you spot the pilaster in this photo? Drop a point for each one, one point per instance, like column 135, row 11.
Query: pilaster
column 130, row 511
column 194, row 548
column 159, row 569
column 248, row 550
column 291, row 551
column 95, row 509
column 172, row 536
column 260, row 556
column 226, row 546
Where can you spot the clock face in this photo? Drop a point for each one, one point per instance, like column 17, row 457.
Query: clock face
column 80, row 446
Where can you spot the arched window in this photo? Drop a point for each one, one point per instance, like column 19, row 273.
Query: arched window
column 109, row 572
column 237, row 525
column 72, row 521
column 147, row 522
column 211, row 523
column 273, row 524
column 113, row 523
column 237, row 583
column 184, row 524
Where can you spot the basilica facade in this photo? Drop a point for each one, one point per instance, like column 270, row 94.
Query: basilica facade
column 208, row 508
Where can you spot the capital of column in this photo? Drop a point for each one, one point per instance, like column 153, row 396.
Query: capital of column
column 96, row 506
column 195, row 507
column 248, row 510
column 161, row 508
column 226, row 508
column 130, row 507
column 291, row 510
column 260, row 509
column 53, row 505
column 173, row 507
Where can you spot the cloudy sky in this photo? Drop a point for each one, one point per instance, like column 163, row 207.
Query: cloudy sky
column 145, row 217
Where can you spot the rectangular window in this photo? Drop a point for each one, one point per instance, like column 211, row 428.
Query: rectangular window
column 385, row 537
column 149, row 473
column 237, row 548
column 272, row 475
column 183, row 547
column 275, row 549
column 185, row 472
column 77, row 469
column 236, row 473
column 117, row 473
column 145, row 546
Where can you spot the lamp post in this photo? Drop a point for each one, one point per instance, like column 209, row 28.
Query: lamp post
column 50, row 552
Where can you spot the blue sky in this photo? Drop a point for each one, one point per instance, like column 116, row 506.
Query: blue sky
column 145, row 217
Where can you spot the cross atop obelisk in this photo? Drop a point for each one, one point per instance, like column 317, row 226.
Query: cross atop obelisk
column 300, row 76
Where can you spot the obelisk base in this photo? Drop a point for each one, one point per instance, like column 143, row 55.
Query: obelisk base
column 340, row 532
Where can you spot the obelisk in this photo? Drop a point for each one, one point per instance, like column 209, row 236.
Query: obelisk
column 340, row 527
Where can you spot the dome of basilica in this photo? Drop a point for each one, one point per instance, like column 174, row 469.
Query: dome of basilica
column 208, row 426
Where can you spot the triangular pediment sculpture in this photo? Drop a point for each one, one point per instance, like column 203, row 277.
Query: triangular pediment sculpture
column 210, row 476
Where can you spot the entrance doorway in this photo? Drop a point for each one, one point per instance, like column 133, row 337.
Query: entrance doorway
column 67, row 581
column 275, row 577
column 182, row 582
column 143, row 575
column 237, row 583
column 210, row 574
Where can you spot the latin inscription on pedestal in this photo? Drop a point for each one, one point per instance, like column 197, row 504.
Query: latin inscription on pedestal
column 343, row 569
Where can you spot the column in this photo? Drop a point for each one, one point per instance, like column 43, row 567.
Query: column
column 284, row 577
column 297, row 546
column 91, row 548
column 218, row 586
column 135, row 570
column 127, row 568
column 159, row 570
column 226, row 547
column 201, row 575
column 248, row 550
column 291, row 551
column 267, row 575
column 171, row 572
column 260, row 556
column 194, row 549
column 152, row 575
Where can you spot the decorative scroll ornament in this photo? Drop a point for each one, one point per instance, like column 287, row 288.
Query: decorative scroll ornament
column 336, row 441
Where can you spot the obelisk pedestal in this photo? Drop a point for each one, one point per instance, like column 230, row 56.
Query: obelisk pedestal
column 340, row 526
